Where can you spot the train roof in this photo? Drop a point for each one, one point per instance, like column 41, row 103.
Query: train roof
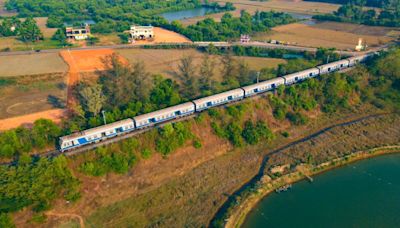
column 164, row 111
column 219, row 95
column 289, row 76
column 333, row 63
column 97, row 129
column 274, row 80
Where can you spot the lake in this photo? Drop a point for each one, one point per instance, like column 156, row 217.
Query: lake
column 183, row 14
column 363, row 194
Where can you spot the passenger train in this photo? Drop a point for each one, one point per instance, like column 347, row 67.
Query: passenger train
column 107, row 131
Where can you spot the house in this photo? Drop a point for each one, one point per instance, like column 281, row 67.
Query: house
column 141, row 32
column 78, row 33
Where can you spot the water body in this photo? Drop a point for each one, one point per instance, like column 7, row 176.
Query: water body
column 362, row 194
column 184, row 14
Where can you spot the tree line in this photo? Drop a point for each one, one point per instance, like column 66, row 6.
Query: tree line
column 27, row 31
column 355, row 12
column 230, row 27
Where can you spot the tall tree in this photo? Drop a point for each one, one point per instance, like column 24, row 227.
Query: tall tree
column 228, row 70
column 243, row 75
column 206, row 80
column 117, row 86
column 186, row 73
column 29, row 31
column 140, row 79
column 93, row 98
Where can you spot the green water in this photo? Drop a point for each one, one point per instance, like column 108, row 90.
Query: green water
column 363, row 194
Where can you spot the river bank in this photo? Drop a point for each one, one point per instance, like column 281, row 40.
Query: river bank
column 268, row 185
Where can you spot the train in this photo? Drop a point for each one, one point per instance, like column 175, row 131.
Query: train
column 101, row 133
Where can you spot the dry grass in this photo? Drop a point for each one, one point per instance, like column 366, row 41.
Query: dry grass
column 31, row 64
column 30, row 94
column 47, row 32
column 293, row 6
column 165, row 62
column 328, row 34
column 108, row 39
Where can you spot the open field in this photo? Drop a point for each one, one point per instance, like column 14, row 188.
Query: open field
column 292, row 6
column 165, row 36
column 30, row 94
column 31, row 64
column 328, row 34
column 166, row 62
column 47, row 32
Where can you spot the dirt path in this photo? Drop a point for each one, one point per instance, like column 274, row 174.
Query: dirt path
column 53, row 114
column 81, row 223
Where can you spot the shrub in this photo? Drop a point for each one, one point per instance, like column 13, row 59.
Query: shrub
column 146, row 153
column 197, row 144
column 296, row 118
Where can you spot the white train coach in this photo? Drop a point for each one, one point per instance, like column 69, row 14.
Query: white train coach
column 262, row 86
column 299, row 76
column 165, row 114
column 96, row 134
column 218, row 99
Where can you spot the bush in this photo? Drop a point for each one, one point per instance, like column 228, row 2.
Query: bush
column 146, row 153
column 285, row 134
column 296, row 118
column 197, row 144
column 6, row 221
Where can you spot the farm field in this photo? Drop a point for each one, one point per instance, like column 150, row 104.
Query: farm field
column 31, row 64
column 329, row 34
column 292, row 6
column 165, row 62
column 30, row 94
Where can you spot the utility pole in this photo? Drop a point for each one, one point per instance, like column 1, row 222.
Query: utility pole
column 327, row 59
column 258, row 76
column 104, row 117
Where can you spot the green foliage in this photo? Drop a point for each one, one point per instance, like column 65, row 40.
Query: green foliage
column 21, row 140
column 109, row 15
column 54, row 21
column 146, row 153
column 355, row 12
column 45, row 179
column 237, row 111
column 230, row 28
column 38, row 218
column 29, row 31
column 234, row 134
column 6, row 26
column 60, row 36
column 124, row 37
column 252, row 134
column 6, row 221
column 285, row 134
column 197, row 144
column 296, row 118
column 172, row 136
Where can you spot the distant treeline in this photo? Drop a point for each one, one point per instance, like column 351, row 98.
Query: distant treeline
column 230, row 28
column 372, row 3
column 355, row 12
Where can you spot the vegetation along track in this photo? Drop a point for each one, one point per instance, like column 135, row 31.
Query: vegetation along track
column 253, row 181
